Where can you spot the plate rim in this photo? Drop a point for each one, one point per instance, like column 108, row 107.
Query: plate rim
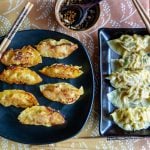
column 101, row 79
column 92, row 93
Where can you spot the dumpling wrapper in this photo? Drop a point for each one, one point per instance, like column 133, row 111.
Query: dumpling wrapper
column 131, row 97
column 128, row 78
column 20, row 75
column 62, row 71
column 61, row 92
column 17, row 98
column 134, row 61
column 132, row 119
column 26, row 57
column 56, row 49
column 41, row 115
column 127, row 44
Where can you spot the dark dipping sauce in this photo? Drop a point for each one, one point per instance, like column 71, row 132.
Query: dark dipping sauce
column 68, row 17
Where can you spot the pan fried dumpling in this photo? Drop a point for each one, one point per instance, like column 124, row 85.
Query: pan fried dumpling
column 135, row 61
column 131, row 119
column 17, row 98
column 127, row 44
column 41, row 115
column 20, row 75
column 56, row 49
column 61, row 92
column 131, row 97
column 26, row 57
column 62, row 71
column 128, row 78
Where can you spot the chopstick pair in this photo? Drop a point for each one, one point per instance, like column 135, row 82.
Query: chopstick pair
column 7, row 40
column 143, row 14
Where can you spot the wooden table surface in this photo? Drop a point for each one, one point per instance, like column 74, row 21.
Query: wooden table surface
column 114, row 14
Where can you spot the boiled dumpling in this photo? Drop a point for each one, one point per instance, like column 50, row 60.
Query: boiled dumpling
column 138, row 60
column 128, row 78
column 131, row 119
column 131, row 97
column 127, row 44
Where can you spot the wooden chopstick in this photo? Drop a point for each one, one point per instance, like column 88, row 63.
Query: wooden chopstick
column 142, row 8
column 7, row 40
column 143, row 14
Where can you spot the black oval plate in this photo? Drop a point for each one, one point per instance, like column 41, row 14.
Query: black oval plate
column 75, row 114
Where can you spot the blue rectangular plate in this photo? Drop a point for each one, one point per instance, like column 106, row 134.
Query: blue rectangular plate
column 75, row 114
column 106, row 125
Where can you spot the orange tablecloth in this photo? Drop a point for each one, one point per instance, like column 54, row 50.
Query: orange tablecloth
column 114, row 14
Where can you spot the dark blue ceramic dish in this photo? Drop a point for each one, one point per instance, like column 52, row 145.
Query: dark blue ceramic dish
column 75, row 114
column 107, row 127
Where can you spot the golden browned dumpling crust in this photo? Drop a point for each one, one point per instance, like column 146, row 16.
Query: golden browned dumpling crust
column 41, row 115
column 17, row 98
column 56, row 49
column 61, row 92
column 20, row 75
column 62, row 71
column 26, row 57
